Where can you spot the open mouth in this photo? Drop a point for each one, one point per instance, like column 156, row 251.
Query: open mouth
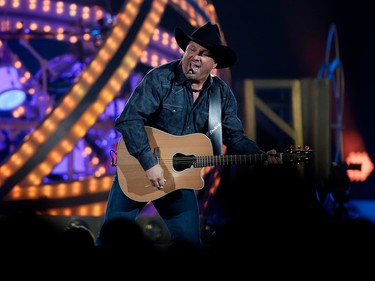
column 193, row 68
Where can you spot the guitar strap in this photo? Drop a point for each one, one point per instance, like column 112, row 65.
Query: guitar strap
column 214, row 121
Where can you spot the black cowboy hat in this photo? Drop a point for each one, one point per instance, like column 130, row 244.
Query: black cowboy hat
column 209, row 37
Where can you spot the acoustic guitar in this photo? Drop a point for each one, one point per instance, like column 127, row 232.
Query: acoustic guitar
column 182, row 158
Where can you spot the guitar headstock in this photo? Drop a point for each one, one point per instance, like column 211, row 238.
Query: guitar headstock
column 297, row 155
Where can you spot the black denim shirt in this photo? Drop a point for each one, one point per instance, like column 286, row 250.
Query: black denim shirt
column 163, row 100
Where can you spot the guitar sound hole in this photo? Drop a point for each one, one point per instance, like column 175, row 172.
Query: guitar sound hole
column 182, row 162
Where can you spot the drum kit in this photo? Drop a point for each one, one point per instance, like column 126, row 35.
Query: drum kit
column 31, row 85
column 27, row 95
column 37, row 89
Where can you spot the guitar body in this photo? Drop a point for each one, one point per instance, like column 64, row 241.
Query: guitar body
column 132, row 177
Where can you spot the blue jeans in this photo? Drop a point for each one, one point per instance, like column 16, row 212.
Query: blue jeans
column 179, row 210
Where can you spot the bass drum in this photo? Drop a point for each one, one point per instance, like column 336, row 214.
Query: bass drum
column 12, row 93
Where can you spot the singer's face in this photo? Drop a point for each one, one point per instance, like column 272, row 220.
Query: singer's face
column 197, row 62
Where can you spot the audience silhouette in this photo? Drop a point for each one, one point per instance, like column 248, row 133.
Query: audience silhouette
column 288, row 230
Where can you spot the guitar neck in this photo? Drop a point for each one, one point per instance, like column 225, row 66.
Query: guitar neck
column 222, row 160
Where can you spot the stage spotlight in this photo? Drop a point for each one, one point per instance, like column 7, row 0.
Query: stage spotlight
column 11, row 93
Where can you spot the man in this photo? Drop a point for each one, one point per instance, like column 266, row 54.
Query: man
column 174, row 98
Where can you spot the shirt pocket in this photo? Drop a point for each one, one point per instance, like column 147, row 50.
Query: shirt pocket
column 171, row 108
column 172, row 117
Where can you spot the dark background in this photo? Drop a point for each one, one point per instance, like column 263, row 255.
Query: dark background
column 288, row 39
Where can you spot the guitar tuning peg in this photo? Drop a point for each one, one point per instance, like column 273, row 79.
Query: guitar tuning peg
column 291, row 147
column 307, row 147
